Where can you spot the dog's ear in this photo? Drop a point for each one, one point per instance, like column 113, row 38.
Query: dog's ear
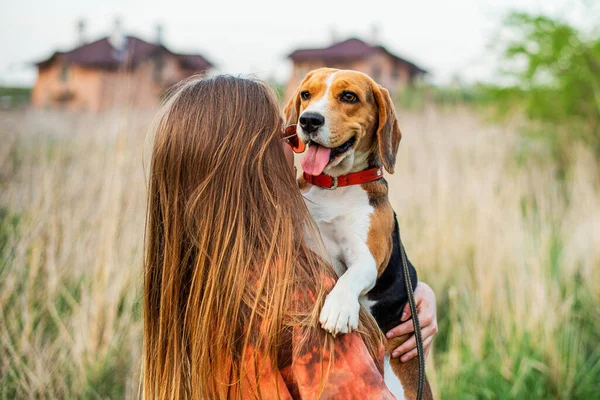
column 388, row 133
column 292, row 108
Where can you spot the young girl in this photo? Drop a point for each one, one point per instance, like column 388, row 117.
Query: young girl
column 232, row 290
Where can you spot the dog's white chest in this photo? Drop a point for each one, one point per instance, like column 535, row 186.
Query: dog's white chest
column 343, row 216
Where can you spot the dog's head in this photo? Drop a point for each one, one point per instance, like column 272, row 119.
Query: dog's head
column 346, row 119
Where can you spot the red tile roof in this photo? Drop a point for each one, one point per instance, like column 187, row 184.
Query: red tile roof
column 351, row 49
column 102, row 54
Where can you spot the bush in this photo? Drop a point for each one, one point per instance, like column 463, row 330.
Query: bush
column 14, row 96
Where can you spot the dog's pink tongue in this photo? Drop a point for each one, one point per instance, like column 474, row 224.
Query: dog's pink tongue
column 315, row 160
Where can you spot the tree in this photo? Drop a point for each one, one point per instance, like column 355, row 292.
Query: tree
column 555, row 70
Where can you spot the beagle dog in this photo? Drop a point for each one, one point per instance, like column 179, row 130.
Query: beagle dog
column 349, row 126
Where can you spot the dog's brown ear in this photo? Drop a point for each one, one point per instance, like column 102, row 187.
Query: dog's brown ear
column 292, row 108
column 388, row 133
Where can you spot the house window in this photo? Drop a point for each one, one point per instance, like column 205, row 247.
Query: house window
column 159, row 64
column 64, row 73
column 396, row 71
column 376, row 73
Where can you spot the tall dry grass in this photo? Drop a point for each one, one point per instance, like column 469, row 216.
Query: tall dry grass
column 73, row 217
column 512, row 252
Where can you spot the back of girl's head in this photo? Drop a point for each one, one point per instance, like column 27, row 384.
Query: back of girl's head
column 218, row 171
column 225, row 251
column 223, row 134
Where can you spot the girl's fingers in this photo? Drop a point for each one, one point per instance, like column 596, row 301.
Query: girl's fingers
column 425, row 319
column 402, row 329
column 426, row 333
column 418, row 300
column 405, row 347
column 425, row 299
column 413, row 352
column 405, row 313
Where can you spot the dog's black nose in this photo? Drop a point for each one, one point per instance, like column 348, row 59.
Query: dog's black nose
column 311, row 122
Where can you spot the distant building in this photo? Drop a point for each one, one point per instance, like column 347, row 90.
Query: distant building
column 115, row 70
column 388, row 69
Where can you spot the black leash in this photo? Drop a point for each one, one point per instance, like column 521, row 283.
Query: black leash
column 415, row 318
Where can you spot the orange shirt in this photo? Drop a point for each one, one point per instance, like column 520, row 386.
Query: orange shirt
column 353, row 373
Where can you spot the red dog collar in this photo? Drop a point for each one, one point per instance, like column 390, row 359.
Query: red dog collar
column 355, row 178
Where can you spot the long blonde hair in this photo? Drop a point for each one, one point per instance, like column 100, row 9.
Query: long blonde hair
column 225, row 252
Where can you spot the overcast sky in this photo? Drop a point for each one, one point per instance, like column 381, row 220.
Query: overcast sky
column 254, row 37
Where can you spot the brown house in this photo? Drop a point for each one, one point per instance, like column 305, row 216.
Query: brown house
column 388, row 69
column 123, row 71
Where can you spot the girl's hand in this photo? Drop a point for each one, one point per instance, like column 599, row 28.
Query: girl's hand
column 425, row 301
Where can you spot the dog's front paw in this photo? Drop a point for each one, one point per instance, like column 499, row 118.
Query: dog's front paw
column 340, row 312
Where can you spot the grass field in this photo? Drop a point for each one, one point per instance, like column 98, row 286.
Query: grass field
column 512, row 252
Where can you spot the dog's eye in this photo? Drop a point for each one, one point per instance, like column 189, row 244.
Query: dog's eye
column 349, row 97
column 305, row 94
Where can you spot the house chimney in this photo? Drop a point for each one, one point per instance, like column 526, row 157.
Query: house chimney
column 159, row 34
column 117, row 38
column 81, row 32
